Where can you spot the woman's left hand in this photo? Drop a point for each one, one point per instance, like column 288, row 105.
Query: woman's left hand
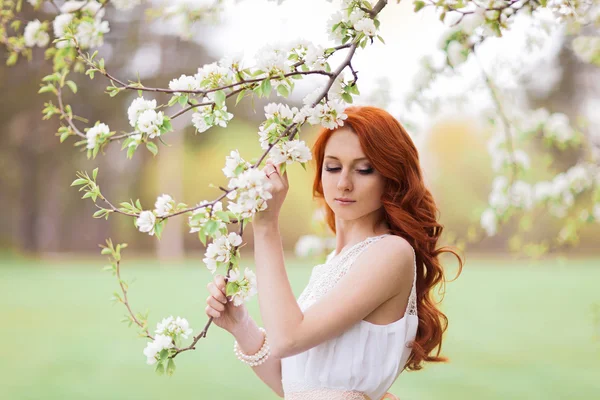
column 278, row 190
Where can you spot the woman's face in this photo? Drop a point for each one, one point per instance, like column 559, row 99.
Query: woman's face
column 347, row 173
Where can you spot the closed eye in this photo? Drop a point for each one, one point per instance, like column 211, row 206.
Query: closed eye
column 361, row 171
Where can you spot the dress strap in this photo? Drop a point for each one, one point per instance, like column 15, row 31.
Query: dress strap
column 411, row 308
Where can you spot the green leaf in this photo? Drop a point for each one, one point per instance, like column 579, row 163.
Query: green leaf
column 160, row 368
column 138, row 204
column 347, row 98
column 95, row 173
column 79, row 181
column 170, row 367
column 72, row 86
column 266, row 87
column 220, row 98
column 231, row 288
column 240, row 96
column 182, row 100
column 419, row 5
column 202, row 236
column 223, row 215
column 152, row 148
column 283, row 90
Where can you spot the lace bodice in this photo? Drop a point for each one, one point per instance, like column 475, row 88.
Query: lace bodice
column 326, row 276
column 363, row 362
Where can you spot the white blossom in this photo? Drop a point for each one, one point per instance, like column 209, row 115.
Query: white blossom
column 291, row 151
column 489, row 222
column 59, row 25
column 366, row 26
column 456, row 53
column 202, row 215
column 145, row 222
column 137, row 107
column 149, row 122
column 235, row 164
column 281, row 111
column 35, row 35
column 272, row 59
column 252, row 193
column 213, row 76
column 91, row 34
column 184, row 82
column 125, row 4
column 246, row 286
column 220, row 250
column 164, row 205
column 472, row 21
column 587, row 48
column 155, row 347
column 557, row 127
column 330, row 115
column 206, row 117
column 174, row 327
column 93, row 133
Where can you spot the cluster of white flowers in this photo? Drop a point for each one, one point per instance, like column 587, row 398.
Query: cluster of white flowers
column 251, row 194
column 554, row 127
column 164, row 205
column 95, row 134
column 145, row 222
column 184, row 82
column 313, row 55
column 278, row 118
column 202, row 215
column 174, row 327
column 89, row 31
column 272, row 59
column 559, row 194
column 289, row 151
column 350, row 22
column 212, row 76
column 330, row 114
column 169, row 331
column 208, row 116
column 125, row 4
column 145, row 119
column 246, row 285
column 35, row 34
column 587, row 48
column 558, row 129
column 235, row 164
column 154, row 348
column 503, row 196
column 501, row 158
column 221, row 250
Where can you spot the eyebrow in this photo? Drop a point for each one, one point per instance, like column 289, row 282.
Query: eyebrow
column 356, row 159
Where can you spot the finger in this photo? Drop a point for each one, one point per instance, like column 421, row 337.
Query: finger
column 212, row 313
column 216, row 304
column 220, row 282
column 216, row 293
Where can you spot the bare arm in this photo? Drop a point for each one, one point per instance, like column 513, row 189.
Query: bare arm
column 382, row 271
column 250, row 340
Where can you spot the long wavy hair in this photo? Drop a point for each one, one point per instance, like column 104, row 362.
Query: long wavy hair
column 410, row 212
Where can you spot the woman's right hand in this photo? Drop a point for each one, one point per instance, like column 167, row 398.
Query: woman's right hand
column 225, row 314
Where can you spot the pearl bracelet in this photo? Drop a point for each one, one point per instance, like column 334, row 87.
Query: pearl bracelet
column 257, row 359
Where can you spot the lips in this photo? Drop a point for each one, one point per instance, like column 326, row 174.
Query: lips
column 344, row 200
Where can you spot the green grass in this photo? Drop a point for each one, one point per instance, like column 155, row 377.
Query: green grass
column 517, row 331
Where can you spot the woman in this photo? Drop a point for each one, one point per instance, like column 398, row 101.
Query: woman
column 369, row 311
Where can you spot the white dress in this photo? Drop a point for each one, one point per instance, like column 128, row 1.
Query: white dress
column 364, row 360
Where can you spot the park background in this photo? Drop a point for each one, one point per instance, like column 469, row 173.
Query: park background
column 519, row 328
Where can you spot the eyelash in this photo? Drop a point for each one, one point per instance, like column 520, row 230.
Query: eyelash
column 362, row 171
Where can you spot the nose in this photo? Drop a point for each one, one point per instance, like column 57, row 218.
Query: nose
column 344, row 183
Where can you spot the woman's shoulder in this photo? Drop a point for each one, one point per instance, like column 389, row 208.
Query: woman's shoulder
column 392, row 250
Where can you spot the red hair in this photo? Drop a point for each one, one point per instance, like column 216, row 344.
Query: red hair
column 410, row 212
